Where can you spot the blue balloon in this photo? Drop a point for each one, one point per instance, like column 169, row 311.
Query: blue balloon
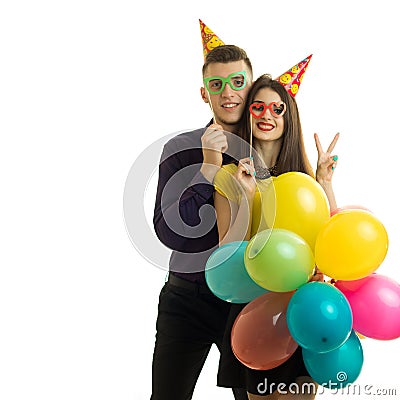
column 337, row 368
column 319, row 317
column 226, row 274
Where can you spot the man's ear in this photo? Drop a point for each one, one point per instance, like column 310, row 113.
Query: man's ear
column 204, row 95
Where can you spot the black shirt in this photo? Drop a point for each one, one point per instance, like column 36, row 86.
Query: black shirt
column 184, row 216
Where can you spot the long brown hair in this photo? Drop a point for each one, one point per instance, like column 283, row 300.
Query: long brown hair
column 292, row 156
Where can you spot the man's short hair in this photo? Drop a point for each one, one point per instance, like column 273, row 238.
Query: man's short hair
column 226, row 54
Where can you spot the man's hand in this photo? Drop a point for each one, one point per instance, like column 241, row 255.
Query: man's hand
column 214, row 143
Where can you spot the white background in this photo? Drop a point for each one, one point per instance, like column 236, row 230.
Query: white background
column 86, row 86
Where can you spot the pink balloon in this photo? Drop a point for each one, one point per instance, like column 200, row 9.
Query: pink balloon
column 260, row 336
column 350, row 207
column 375, row 303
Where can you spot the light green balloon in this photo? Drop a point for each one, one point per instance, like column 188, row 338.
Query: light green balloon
column 279, row 260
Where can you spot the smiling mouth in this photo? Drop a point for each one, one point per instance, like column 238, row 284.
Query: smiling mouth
column 230, row 105
column 265, row 127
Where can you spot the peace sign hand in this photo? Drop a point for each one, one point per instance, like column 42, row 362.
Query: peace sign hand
column 326, row 163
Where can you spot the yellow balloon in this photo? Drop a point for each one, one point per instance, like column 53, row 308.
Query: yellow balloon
column 351, row 245
column 296, row 202
column 360, row 335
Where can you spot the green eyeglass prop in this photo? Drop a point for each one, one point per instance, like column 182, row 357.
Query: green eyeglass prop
column 216, row 84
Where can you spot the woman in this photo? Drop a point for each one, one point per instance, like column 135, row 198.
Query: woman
column 273, row 128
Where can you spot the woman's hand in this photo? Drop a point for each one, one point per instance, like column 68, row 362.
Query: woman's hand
column 326, row 161
column 245, row 175
column 317, row 277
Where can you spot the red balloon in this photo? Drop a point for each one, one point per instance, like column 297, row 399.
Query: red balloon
column 375, row 303
column 351, row 207
column 260, row 336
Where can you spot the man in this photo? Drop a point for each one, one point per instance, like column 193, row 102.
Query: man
column 190, row 318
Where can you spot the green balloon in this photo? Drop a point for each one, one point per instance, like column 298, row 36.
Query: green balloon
column 279, row 260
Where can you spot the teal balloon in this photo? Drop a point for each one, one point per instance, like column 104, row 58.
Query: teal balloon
column 319, row 317
column 337, row 368
column 226, row 274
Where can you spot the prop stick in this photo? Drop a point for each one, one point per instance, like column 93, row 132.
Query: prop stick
column 251, row 135
column 209, row 102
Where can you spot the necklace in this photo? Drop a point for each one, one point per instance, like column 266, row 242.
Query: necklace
column 265, row 172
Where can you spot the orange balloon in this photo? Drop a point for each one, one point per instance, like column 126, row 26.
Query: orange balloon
column 260, row 337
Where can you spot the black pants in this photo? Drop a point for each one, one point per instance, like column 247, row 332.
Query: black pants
column 190, row 319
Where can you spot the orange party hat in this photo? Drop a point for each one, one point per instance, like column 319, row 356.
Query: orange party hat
column 209, row 39
column 292, row 78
